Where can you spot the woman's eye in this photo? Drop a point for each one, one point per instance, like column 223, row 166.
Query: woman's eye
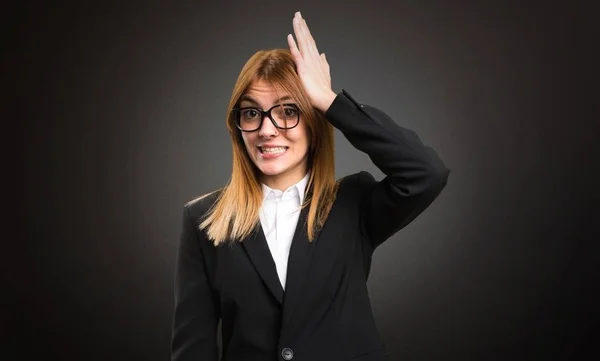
column 290, row 111
column 250, row 113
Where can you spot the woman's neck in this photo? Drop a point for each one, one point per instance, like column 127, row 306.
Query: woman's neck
column 283, row 181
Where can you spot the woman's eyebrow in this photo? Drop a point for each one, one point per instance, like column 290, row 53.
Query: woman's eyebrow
column 248, row 98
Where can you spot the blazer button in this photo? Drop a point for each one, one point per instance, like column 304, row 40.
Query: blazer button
column 287, row 354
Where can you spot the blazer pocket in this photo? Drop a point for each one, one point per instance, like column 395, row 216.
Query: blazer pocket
column 378, row 355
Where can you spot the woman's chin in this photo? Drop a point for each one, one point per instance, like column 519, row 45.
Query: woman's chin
column 271, row 171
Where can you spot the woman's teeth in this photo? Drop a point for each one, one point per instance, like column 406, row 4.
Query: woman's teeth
column 274, row 150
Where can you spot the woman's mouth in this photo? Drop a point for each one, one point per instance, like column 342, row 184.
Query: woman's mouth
column 272, row 152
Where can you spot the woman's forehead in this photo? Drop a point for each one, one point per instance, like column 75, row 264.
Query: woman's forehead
column 263, row 87
column 265, row 93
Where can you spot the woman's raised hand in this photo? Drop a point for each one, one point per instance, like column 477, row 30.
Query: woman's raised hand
column 312, row 67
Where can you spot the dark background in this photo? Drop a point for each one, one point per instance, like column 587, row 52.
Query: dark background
column 121, row 109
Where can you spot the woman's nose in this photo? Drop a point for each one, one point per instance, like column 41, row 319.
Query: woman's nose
column 267, row 129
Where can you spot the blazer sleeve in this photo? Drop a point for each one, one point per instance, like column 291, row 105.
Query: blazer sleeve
column 414, row 174
column 196, row 314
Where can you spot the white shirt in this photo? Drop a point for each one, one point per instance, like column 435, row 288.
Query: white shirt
column 279, row 217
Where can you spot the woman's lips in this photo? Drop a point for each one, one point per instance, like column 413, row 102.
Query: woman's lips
column 266, row 155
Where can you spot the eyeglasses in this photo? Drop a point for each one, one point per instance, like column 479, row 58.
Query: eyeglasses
column 250, row 119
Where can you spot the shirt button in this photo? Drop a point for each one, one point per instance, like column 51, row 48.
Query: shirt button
column 287, row 354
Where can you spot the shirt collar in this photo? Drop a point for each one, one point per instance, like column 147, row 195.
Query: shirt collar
column 300, row 188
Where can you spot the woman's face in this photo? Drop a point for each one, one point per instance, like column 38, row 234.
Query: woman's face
column 280, row 154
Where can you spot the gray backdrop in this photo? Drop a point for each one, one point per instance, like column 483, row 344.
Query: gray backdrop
column 123, row 109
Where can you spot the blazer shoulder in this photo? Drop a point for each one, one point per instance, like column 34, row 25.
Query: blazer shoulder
column 358, row 179
column 199, row 206
column 356, row 183
column 348, row 179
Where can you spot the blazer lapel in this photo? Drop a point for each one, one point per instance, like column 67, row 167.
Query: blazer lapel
column 301, row 252
column 306, row 262
column 259, row 253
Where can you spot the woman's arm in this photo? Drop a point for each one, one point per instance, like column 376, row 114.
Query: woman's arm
column 196, row 316
column 415, row 175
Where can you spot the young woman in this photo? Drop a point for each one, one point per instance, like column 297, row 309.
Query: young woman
column 281, row 255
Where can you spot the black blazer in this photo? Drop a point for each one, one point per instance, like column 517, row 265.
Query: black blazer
column 324, row 314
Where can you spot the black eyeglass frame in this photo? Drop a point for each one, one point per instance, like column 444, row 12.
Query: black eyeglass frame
column 267, row 113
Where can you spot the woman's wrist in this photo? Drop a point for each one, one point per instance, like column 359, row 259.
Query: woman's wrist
column 326, row 101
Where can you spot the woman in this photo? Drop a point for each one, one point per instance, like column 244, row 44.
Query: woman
column 281, row 255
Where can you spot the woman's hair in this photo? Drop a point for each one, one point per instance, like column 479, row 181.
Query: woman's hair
column 235, row 213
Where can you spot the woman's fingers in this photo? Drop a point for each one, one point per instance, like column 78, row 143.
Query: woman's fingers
column 310, row 41
column 306, row 43
column 294, row 48
column 305, row 52
column 324, row 62
column 312, row 67
column 300, row 38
